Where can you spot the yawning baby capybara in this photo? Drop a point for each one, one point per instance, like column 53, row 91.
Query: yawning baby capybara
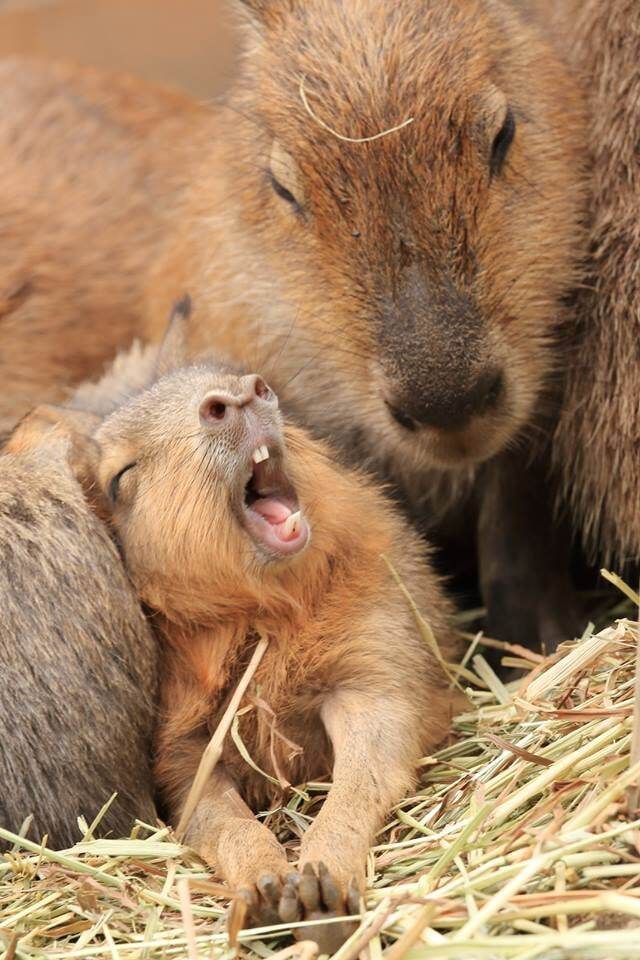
column 235, row 525
column 78, row 674
column 384, row 218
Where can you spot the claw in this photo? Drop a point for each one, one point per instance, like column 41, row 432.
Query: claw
column 290, row 909
column 353, row 896
column 269, row 887
column 309, row 889
column 330, row 890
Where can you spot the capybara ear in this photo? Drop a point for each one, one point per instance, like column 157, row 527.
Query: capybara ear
column 47, row 423
column 173, row 349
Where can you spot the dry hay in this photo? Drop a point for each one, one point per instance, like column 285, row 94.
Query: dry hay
column 519, row 843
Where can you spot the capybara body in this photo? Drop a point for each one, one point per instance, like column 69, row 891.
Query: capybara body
column 78, row 676
column 403, row 293
column 399, row 277
column 234, row 526
column 598, row 443
column 91, row 165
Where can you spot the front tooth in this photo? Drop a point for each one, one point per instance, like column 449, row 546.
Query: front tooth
column 256, row 456
column 292, row 525
column 264, row 450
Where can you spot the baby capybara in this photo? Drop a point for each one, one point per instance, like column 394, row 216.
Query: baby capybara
column 234, row 525
column 78, row 675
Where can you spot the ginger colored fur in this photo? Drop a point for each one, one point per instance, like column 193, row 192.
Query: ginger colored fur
column 91, row 166
column 346, row 677
column 598, row 440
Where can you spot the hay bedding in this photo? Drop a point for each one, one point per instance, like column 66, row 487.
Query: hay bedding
column 519, row 844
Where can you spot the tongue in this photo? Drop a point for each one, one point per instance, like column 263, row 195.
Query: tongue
column 276, row 513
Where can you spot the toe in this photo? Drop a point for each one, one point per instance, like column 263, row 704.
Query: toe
column 309, row 889
column 331, row 893
column 353, row 896
column 290, row 908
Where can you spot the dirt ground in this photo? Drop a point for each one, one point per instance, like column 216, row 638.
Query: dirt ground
column 185, row 43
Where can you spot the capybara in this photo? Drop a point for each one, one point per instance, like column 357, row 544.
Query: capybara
column 78, row 677
column 598, row 442
column 234, row 524
column 384, row 218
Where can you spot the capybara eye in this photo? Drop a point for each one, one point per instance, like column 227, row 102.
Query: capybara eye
column 284, row 176
column 502, row 142
column 283, row 192
column 114, row 485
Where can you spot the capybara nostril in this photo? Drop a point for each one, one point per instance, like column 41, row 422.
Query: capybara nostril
column 494, row 390
column 213, row 409
column 257, row 387
column 402, row 418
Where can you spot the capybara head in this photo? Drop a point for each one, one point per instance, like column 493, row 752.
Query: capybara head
column 409, row 174
column 203, row 488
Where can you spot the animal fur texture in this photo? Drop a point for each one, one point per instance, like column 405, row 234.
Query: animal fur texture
column 347, row 690
column 418, row 276
column 77, row 683
column 598, row 441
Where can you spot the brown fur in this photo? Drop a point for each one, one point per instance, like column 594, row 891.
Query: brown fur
column 346, row 676
column 599, row 434
column 78, row 674
column 91, row 165
column 410, row 274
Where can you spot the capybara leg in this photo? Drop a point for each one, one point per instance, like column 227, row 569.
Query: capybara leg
column 525, row 559
column 375, row 753
column 244, row 852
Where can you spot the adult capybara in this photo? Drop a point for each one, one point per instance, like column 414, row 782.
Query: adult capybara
column 235, row 525
column 598, row 442
column 384, row 217
column 78, row 676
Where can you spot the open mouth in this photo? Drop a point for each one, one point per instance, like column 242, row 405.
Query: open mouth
column 271, row 513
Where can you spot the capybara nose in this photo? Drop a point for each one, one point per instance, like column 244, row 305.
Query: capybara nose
column 247, row 390
column 452, row 409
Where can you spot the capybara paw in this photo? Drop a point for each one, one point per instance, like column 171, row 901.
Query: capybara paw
column 314, row 894
column 255, row 905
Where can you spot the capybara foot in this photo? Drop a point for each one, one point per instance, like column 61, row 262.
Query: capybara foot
column 315, row 895
column 257, row 905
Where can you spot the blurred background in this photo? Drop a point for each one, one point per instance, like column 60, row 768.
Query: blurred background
column 184, row 43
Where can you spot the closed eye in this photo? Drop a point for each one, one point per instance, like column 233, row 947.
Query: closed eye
column 283, row 192
column 502, row 142
column 114, row 484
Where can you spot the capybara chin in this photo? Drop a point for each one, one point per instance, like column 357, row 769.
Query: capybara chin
column 402, row 288
column 598, row 442
column 232, row 525
column 78, row 676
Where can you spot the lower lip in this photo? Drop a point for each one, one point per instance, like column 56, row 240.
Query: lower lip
column 262, row 533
